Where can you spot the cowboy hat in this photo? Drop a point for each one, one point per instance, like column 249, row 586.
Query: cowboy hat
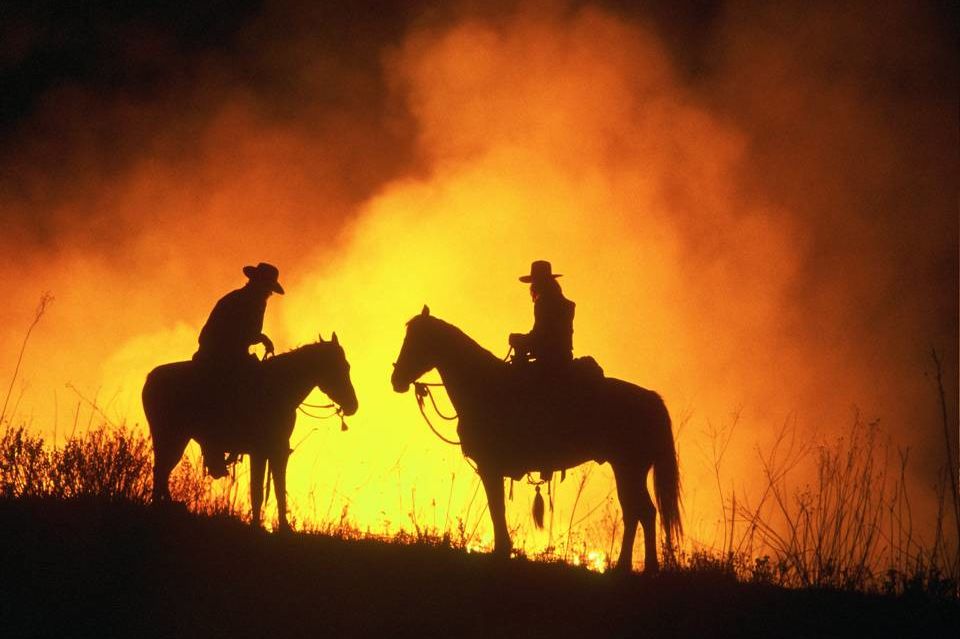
column 265, row 273
column 539, row 270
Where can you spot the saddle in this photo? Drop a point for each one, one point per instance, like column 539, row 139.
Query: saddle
column 570, row 386
column 223, row 386
column 226, row 380
column 578, row 376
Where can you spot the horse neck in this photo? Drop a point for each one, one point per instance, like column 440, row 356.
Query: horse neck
column 290, row 376
column 464, row 366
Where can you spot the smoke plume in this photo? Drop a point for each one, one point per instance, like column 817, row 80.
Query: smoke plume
column 754, row 209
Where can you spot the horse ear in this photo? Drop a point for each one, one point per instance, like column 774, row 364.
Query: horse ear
column 320, row 338
column 334, row 339
column 425, row 311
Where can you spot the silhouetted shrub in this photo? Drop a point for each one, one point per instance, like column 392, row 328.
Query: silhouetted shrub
column 105, row 462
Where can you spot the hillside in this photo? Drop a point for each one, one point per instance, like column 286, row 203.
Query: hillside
column 86, row 568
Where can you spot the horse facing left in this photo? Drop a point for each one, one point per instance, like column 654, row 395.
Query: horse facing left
column 178, row 406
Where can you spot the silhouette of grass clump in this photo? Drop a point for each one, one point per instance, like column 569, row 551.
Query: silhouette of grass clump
column 848, row 531
column 850, row 527
column 104, row 463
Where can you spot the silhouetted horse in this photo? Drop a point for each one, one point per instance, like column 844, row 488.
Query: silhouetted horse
column 511, row 424
column 257, row 419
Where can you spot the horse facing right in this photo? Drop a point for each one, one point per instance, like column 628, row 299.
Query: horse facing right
column 257, row 419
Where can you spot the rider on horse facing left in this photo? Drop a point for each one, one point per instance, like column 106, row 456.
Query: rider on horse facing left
column 234, row 325
column 550, row 342
column 549, row 345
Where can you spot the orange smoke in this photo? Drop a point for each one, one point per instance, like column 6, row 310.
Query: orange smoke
column 567, row 135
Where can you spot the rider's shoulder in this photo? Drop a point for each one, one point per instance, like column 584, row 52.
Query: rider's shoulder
column 235, row 295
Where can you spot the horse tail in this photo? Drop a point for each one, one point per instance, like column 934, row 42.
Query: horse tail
column 666, row 481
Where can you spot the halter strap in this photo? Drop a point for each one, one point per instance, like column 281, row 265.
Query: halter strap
column 336, row 413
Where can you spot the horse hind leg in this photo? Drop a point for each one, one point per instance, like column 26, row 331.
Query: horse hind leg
column 648, row 520
column 637, row 507
column 278, row 470
column 257, row 468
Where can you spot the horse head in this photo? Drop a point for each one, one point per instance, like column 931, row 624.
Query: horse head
column 333, row 372
column 416, row 355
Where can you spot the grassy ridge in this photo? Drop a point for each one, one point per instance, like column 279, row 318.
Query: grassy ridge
column 95, row 567
column 852, row 529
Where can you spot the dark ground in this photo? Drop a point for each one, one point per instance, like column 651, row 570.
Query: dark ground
column 102, row 570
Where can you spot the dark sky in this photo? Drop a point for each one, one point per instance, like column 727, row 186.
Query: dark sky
column 62, row 64
column 169, row 52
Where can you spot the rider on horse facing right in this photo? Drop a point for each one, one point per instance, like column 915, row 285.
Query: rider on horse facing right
column 235, row 324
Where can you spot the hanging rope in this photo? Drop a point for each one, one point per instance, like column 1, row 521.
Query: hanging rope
column 338, row 412
column 421, row 390
column 331, row 405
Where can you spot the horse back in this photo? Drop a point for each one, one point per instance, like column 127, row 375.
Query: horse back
column 169, row 373
column 166, row 382
column 622, row 398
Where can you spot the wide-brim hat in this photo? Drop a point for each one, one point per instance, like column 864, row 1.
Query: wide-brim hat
column 265, row 273
column 540, row 270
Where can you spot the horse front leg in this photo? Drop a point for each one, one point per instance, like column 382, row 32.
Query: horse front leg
column 257, row 464
column 493, row 485
column 278, row 469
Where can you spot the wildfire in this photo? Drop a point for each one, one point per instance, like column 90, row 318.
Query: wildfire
column 569, row 136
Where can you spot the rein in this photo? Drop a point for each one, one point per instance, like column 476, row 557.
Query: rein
column 421, row 390
column 338, row 412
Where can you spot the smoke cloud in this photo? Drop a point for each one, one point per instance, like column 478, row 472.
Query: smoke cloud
column 754, row 210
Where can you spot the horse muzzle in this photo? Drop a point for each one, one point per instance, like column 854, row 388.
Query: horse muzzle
column 350, row 407
column 398, row 385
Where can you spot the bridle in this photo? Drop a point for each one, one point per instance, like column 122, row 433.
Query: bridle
column 422, row 390
column 337, row 412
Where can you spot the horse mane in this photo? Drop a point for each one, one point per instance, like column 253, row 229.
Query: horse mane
column 459, row 337
column 292, row 353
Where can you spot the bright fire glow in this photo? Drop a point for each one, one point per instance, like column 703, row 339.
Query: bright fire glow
column 570, row 138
